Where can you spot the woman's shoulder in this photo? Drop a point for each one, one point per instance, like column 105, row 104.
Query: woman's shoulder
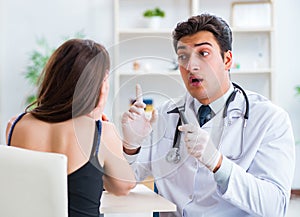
column 12, row 121
column 109, row 125
column 109, row 128
column 111, row 138
column 15, row 118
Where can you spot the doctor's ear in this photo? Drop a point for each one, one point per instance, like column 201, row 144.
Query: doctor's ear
column 228, row 59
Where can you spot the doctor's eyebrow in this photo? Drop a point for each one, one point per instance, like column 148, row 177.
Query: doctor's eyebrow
column 195, row 45
column 203, row 43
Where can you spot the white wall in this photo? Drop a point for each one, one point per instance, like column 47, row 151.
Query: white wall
column 2, row 39
column 287, row 66
column 22, row 22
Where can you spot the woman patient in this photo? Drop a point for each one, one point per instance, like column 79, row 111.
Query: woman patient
column 66, row 119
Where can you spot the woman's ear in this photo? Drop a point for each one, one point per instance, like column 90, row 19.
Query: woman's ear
column 228, row 59
column 104, row 92
column 97, row 112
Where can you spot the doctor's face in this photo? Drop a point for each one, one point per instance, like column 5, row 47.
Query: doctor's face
column 203, row 70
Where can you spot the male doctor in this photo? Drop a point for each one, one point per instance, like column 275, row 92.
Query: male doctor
column 238, row 161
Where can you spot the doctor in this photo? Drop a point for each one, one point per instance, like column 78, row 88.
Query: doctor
column 239, row 161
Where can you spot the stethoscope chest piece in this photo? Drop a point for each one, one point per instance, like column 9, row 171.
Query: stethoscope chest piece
column 173, row 156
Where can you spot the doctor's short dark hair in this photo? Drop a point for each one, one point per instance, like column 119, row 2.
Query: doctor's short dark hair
column 205, row 22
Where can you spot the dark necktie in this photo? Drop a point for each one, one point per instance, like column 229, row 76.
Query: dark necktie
column 204, row 114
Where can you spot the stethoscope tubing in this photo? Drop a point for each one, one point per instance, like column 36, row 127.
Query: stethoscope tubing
column 173, row 156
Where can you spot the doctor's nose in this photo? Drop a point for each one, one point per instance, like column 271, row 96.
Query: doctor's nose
column 193, row 64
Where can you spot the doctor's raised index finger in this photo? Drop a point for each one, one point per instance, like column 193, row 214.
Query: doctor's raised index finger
column 139, row 93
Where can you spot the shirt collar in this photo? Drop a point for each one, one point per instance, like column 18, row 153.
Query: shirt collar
column 216, row 105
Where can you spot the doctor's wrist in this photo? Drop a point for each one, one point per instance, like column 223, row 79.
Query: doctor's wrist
column 131, row 151
column 219, row 164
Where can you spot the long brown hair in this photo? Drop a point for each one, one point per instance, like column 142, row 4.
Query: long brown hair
column 71, row 81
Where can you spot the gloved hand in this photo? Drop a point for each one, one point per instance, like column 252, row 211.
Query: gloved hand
column 135, row 126
column 200, row 146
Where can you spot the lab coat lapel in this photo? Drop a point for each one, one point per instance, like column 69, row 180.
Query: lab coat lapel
column 187, row 102
column 236, row 108
column 189, row 110
column 231, row 142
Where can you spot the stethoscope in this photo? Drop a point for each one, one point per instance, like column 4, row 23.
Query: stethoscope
column 173, row 155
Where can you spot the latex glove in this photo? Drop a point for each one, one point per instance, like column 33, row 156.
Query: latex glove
column 200, row 146
column 135, row 126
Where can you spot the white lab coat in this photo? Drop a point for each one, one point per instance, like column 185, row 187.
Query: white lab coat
column 260, row 180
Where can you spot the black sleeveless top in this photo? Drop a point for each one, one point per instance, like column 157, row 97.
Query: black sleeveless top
column 85, row 185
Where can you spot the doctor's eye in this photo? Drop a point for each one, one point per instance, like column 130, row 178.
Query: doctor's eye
column 203, row 53
column 182, row 58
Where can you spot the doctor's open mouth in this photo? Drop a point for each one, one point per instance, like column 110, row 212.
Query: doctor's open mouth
column 194, row 81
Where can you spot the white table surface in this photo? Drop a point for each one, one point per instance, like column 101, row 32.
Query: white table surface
column 141, row 201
